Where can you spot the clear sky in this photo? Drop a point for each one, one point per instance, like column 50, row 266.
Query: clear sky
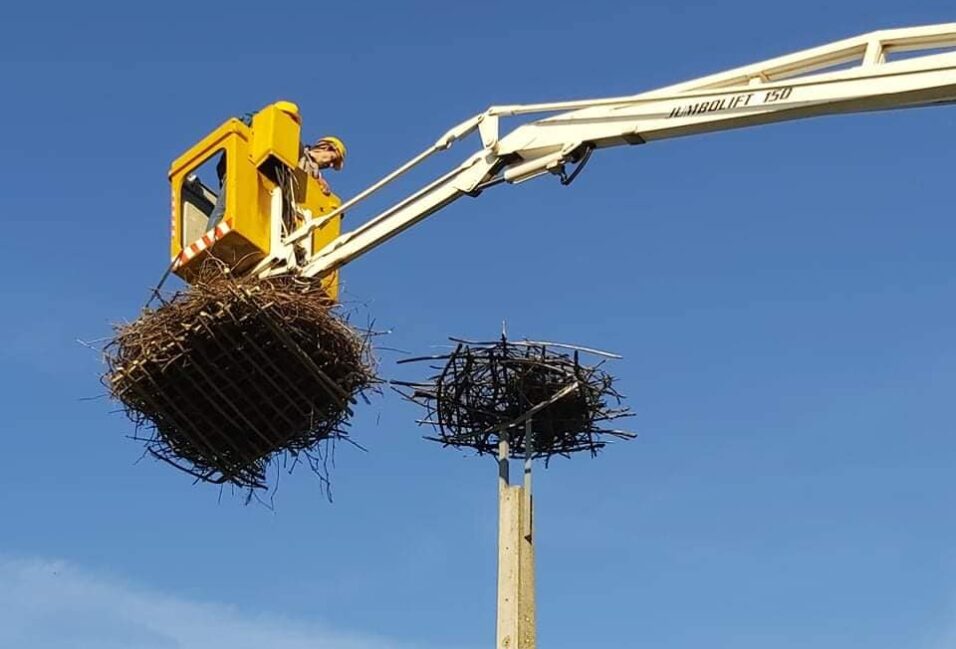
column 783, row 297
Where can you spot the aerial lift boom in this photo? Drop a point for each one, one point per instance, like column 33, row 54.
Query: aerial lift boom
column 882, row 70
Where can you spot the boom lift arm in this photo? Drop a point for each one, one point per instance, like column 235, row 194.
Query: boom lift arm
column 853, row 75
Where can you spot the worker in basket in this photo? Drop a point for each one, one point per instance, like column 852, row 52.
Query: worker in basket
column 327, row 152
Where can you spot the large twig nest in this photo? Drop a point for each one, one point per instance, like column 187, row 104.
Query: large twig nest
column 484, row 392
column 232, row 373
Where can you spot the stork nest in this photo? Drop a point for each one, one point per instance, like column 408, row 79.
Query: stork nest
column 233, row 373
column 486, row 392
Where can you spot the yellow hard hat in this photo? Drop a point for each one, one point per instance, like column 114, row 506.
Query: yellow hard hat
column 337, row 144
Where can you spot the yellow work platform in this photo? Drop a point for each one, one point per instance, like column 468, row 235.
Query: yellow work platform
column 251, row 161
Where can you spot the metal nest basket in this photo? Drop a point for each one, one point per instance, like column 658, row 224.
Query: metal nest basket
column 233, row 373
column 486, row 392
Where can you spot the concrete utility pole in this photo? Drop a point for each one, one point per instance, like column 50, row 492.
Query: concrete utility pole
column 516, row 610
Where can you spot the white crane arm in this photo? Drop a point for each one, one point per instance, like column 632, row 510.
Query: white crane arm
column 853, row 75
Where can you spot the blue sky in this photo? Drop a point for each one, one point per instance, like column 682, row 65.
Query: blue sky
column 783, row 298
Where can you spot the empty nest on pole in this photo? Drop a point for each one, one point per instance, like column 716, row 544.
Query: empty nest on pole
column 233, row 373
column 484, row 392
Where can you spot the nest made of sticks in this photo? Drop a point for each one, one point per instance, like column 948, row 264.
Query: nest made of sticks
column 232, row 373
column 484, row 392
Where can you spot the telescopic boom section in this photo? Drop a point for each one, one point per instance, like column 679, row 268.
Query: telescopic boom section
column 886, row 69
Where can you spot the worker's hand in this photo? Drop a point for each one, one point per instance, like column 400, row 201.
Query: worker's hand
column 323, row 156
